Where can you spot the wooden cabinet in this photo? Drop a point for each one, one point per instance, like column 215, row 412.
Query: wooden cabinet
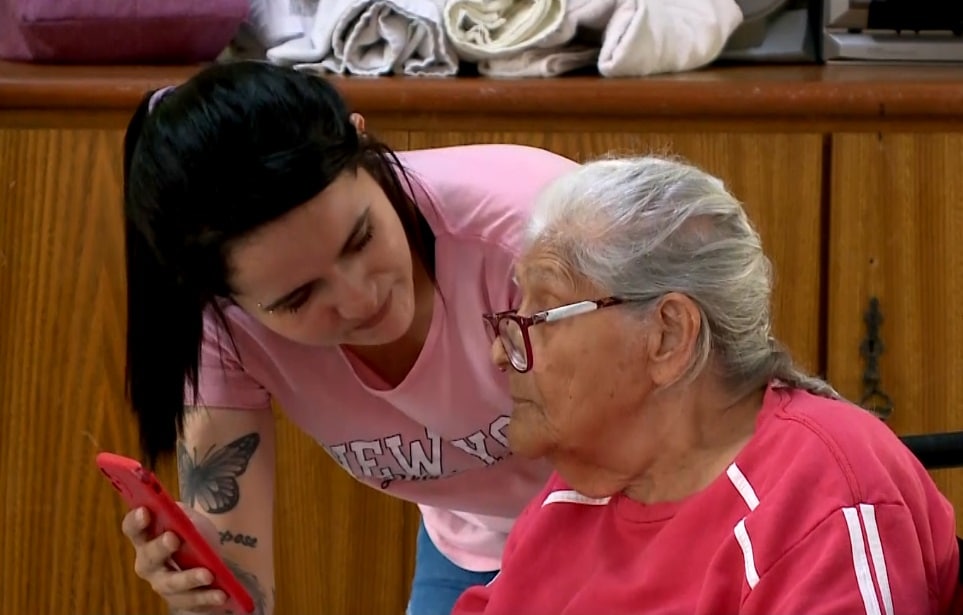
column 895, row 230
column 61, row 371
column 854, row 193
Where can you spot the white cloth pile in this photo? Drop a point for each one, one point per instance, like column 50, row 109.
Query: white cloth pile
column 506, row 38
column 361, row 37
column 624, row 38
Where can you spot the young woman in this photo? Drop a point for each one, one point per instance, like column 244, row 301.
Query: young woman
column 275, row 250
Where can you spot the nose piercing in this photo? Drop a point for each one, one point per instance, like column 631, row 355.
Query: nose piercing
column 260, row 306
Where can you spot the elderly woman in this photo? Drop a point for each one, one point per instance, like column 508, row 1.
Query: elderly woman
column 696, row 469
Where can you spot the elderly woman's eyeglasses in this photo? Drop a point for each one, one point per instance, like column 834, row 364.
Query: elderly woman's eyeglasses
column 512, row 329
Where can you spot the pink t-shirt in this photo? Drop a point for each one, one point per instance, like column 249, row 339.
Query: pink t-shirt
column 438, row 438
column 823, row 512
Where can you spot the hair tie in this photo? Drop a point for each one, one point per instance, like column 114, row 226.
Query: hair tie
column 157, row 96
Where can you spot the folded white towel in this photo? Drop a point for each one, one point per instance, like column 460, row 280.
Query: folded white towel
column 373, row 37
column 646, row 37
column 294, row 51
column 638, row 37
column 540, row 62
column 556, row 53
column 275, row 21
column 483, row 29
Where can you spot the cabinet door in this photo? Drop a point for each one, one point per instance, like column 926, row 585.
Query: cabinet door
column 341, row 547
column 777, row 176
column 895, row 229
column 61, row 376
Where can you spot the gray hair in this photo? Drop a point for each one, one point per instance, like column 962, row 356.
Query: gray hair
column 643, row 227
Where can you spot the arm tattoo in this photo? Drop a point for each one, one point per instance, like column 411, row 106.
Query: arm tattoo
column 212, row 479
column 244, row 540
column 253, row 587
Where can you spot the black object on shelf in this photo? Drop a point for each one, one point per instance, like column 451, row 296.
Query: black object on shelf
column 916, row 15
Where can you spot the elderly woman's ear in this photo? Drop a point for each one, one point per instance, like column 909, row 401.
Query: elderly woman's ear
column 675, row 322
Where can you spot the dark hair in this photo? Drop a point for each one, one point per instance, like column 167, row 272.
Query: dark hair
column 233, row 148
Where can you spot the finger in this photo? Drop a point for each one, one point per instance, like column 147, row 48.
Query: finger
column 153, row 555
column 134, row 524
column 183, row 581
column 197, row 600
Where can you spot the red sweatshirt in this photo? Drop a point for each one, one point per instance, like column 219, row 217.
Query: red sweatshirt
column 824, row 511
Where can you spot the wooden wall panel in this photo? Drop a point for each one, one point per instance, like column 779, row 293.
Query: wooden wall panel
column 895, row 229
column 61, row 375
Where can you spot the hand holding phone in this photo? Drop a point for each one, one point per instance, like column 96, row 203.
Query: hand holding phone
column 139, row 488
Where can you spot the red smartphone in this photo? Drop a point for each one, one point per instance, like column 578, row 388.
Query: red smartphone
column 140, row 488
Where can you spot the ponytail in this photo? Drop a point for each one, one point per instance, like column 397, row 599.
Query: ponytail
column 235, row 147
column 164, row 325
column 784, row 369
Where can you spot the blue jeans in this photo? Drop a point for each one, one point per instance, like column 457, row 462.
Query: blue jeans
column 438, row 582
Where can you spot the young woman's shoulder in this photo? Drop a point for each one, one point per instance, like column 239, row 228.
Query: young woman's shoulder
column 481, row 191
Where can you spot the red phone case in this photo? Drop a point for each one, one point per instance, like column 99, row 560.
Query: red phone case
column 140, row 488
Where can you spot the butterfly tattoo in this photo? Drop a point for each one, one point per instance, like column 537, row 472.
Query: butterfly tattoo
column 212, row 480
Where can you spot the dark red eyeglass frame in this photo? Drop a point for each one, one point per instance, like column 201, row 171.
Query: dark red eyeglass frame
column 525, row 322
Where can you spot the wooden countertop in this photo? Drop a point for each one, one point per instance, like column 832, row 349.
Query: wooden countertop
column 834, row 92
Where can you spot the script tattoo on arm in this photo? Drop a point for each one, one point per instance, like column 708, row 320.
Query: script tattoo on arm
column 245, row 540
column 211, row 481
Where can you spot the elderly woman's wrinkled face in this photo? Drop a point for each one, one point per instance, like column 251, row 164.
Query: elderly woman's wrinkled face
column 586, row 370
